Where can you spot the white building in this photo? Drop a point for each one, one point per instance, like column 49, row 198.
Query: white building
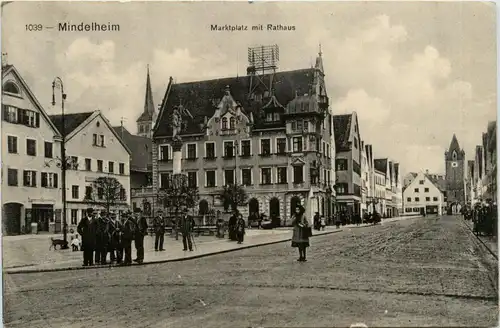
column 96, row 150
column 379, row 196
column 30, row 150
column 423, row 196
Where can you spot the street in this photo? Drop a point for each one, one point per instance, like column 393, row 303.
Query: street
column 414, row 272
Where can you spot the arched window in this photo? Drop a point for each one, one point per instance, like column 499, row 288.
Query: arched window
column 231, row 123
column 224, row 123
column 454, row 155
column 203, row 207
column 10, row 87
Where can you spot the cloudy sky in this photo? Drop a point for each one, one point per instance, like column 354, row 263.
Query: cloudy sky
column 415, row 72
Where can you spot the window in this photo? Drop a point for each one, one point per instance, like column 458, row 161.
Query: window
column 342, row 188
column 99, row 165
column 192, row 179
column 273, row 117
column 282, row 175
column 94, row 139
column 29, row 178
column 356, row 167
column 31, row 147
column 49, row 180
column 228, row 149
column 435, row 199
column 246, row 148
column 417, row 199
column 224, row 123
column 101, row 140
column 421, row 182
column 10, row 87
column 88, row 192
column 73, row 163
column 30, row 118
column 210, row 150
column 123, row 195
column 11, row 114
column 341, row 164
column 165, row 153
column 427, row 199
column 210, row 178
column 265, row 147
column 48, row 149
column 75, row 192
column 355, row 142
column 416, row 190
column 426, row 189
column 408, row 199
column 74, row 216
column 293, row 126
column 12, row 177
column 299, row 125
column 297, row 144
column 122, row 168
column 111, row 167
column 88, row 164
column 280, row 146
column 228, row 177
column 12, row 144
column 98, row 140
column 100, row 193
column 232, row 123
column 246, row 176
column 298, row 174
column 164, row 180
column 191, row 151
column 306, row 126
column 265, row 175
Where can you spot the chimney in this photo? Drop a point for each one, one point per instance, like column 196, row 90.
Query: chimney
column 426, row 172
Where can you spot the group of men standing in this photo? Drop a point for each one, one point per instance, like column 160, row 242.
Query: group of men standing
column 103, row 233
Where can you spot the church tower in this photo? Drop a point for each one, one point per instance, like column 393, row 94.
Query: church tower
column 455, row 176
column 146, row 121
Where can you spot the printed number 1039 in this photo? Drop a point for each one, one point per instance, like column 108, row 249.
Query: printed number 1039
column 34, row 27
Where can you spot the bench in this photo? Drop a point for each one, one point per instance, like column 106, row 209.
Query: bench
column 205, row 230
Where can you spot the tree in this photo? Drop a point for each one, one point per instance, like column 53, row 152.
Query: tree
column 107, row 191
column 233, row 196
column 179, row 194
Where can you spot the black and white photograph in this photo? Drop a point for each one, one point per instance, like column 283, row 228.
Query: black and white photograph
column 249, row 164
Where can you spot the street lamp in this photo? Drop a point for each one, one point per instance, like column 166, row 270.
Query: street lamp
column 58, row 83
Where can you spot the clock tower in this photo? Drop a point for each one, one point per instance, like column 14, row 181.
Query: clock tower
column 455, row 176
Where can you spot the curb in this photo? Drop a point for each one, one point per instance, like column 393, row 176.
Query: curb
column 482, row 242
column 192, row 257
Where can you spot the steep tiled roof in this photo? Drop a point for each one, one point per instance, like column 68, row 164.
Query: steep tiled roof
column 71, row 121
column 201, row 98
column 439, row 183
column 342, row 131
column 381, row 165
column 141, row 158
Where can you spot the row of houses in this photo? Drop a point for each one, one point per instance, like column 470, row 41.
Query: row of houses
column 31, row 161
column 482, row 170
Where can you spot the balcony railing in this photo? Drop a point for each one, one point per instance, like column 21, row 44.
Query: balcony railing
column 144, row 191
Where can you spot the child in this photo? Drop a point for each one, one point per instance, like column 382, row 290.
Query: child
column 75, row 243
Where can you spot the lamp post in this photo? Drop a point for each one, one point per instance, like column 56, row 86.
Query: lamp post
column 58, row 83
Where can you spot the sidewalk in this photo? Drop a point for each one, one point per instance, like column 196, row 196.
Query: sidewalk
column 23, row 255
column 489, row 242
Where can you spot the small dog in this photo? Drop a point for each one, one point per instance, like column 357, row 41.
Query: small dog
column 55, row 242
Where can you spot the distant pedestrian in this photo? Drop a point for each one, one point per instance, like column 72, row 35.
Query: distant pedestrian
column 187, row 227
column 240, row 229
column 159, row 228
column 75, row 243
column 232, row 225
column 301, row 232
column 87, row 229
column 323, row 223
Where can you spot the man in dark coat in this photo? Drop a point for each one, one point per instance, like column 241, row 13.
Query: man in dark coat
column 159, row 227
column 100, row 246
column 141, row 231
column 87, row 229
column 128, row 233
column 232, row 225
column 187, row 227
column 111, row 233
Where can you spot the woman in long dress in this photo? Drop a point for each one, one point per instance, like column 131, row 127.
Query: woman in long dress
column 300, row 238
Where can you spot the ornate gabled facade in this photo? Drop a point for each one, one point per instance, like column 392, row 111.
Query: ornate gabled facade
column 455, row 176
column 275, row 140
column 392, row 202
column 146, row 121
column 423, row 196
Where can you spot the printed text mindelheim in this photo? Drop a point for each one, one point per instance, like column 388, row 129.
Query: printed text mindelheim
column 92, row 27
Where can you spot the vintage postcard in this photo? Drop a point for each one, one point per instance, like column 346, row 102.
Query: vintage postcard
column 249, row 164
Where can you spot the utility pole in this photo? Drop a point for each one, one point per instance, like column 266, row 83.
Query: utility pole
column 59, row 83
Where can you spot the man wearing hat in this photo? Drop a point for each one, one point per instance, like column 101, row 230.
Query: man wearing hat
column 87, row 229
column 128, row 232
column 141, row 231
column 100, row 246
column 112, row 234
column 186, row 227
column 159, row 227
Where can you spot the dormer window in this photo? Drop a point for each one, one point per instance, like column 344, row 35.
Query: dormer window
column 11, row 87
column 224, row 123
column 232, row 123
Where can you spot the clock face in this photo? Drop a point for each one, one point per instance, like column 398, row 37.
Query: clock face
column 454, row 164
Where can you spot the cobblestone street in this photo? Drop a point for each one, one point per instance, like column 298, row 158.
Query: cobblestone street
column 416, row 272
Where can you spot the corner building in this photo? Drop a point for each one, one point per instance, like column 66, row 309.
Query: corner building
column 271, row 133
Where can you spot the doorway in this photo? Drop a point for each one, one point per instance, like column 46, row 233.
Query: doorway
column 12, row 218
